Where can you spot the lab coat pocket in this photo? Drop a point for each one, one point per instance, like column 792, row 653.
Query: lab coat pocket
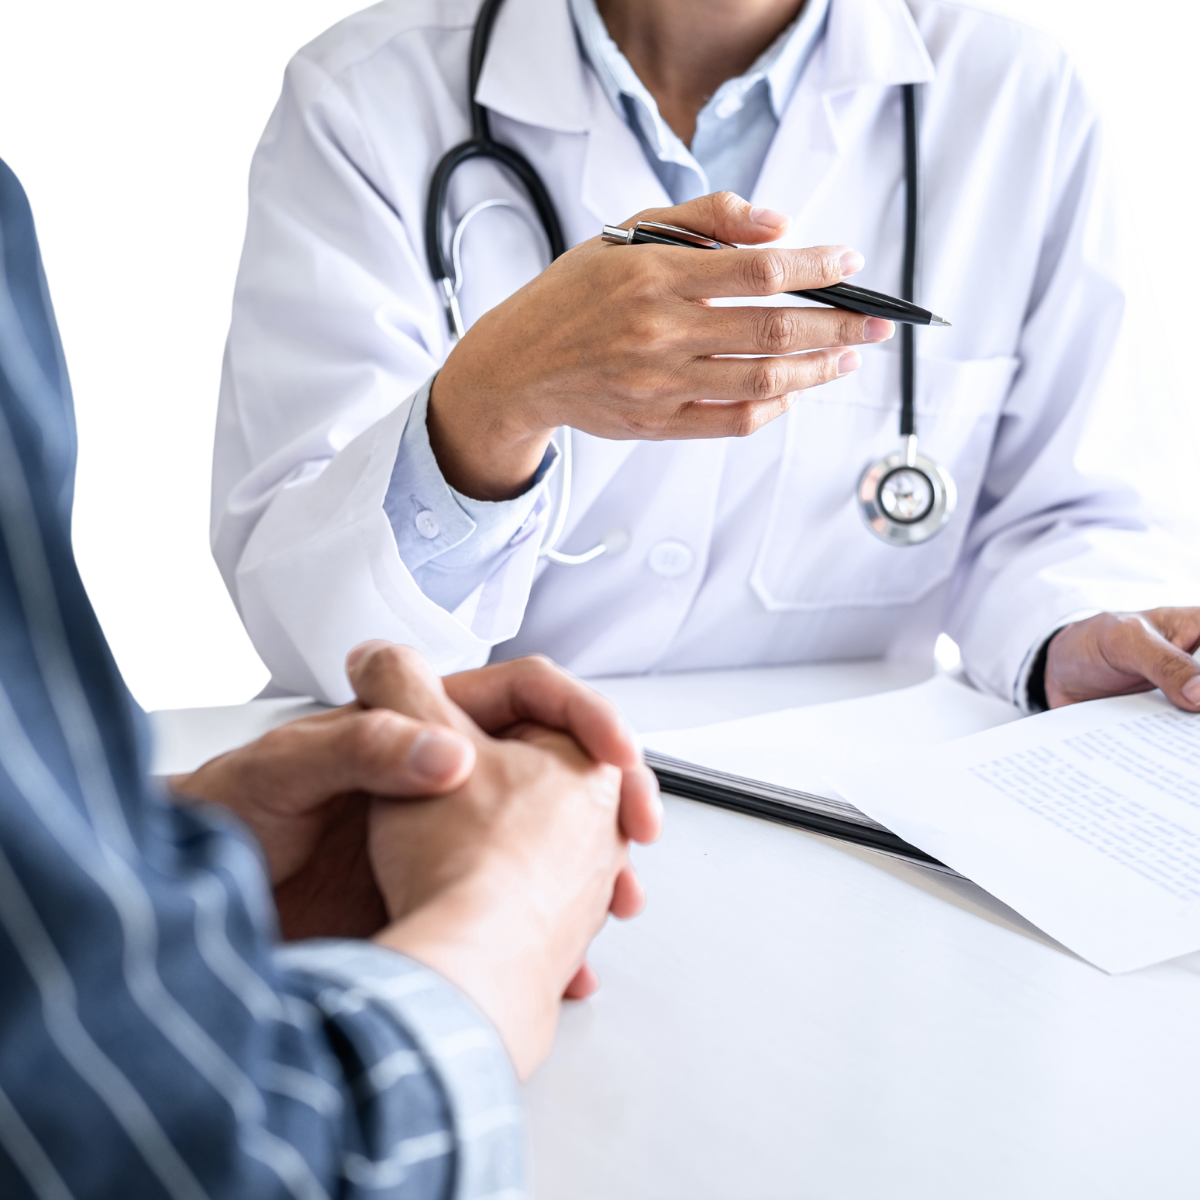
column 816, row 551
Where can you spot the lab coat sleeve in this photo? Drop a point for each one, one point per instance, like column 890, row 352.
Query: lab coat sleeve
column 335, row 333
column 1051, row 544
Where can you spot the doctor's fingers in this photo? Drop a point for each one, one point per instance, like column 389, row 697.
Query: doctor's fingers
column 775, row 330
column 1180, row 626
column 1114, row 654
column 1159, row 645
column 537, row 690
column 763, row 271
column 734, row 397
column 384, row 675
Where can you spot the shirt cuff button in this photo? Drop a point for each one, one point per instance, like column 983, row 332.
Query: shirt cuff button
column 426, row 524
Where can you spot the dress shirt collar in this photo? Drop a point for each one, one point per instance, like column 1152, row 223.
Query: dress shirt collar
column 534, row 72
column 780, row 65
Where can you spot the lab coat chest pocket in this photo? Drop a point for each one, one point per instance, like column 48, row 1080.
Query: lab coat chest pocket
column 816, row 552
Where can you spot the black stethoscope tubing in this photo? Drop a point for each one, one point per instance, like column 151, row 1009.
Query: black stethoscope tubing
column 908, row 274
column 482, row 145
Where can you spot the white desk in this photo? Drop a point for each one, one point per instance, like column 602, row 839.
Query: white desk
column 795, row 1018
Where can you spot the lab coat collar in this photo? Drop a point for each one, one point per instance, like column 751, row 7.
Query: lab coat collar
column 872, row 43
column 534, row 72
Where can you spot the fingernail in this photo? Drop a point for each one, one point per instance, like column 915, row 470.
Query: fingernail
column 878, row 330
column 768, row 217
column 851, row 263
column 1191, row 690
column 850, row 361
column 435, row 753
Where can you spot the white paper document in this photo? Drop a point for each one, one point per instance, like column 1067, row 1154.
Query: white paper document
column 1086, row 820
column 796, row 748
column 776, row 765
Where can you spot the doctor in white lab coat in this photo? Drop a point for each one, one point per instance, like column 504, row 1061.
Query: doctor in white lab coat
column 373, row 480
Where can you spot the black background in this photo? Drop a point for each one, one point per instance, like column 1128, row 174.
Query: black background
column 132, row 130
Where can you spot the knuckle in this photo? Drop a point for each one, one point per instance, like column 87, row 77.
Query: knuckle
column 745, row 425
column 776, row 330
column 645, row 278
column 827, row 368
column 766, row 380
column 368, row 736
column 652, row 332
column 850, row 329
column 765, row 272
column 823, row 266
column 393, row 659
column 537, row 667
column 725, row 205
column 743, row 421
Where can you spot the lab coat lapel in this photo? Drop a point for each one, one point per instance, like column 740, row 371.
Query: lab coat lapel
column 617, row 180
column 534, row 73
column 868, row 44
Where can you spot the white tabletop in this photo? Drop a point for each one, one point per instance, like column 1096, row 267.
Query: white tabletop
column 793, row 1017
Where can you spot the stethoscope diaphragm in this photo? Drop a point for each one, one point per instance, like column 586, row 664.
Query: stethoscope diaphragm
column 906, row 498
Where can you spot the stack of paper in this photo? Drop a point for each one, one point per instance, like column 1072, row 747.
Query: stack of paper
column 1085, row 820
column 778, row 766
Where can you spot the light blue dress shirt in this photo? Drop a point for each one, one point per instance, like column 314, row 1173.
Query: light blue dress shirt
column 452, row 543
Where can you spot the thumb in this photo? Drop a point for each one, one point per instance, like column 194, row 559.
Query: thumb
column 724, row 216
column 384, row 675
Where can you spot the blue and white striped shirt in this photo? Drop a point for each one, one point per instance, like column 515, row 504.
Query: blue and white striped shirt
column 154, row 1039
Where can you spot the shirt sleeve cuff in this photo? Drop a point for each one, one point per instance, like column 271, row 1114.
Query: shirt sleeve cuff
column 465, row 1051
column 429, row 518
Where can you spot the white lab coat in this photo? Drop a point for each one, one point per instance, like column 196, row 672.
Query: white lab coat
column 336, row 325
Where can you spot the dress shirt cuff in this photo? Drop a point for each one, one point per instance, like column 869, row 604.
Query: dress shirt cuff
column 465, row 1052
column 427, row 515
column 1021, row 688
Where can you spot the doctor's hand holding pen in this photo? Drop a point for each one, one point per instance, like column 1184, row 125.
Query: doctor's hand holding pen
column 623, row 344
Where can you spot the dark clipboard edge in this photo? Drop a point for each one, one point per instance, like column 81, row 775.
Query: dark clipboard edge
column 798, row 818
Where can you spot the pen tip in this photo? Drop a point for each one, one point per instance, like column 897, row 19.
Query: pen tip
column 936, row 320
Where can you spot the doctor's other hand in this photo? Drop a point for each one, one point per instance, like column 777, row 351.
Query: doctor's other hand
column 501, row 885
column 1114, row 654
column 304, row 790
column 622, row 342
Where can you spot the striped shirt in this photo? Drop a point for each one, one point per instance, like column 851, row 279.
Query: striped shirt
column 155, row 1040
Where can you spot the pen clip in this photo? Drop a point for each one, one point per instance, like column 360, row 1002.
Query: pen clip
column 675, row 235
column 659, row 234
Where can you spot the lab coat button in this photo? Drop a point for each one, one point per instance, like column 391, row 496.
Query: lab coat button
column 427, row 525
column 670, row 559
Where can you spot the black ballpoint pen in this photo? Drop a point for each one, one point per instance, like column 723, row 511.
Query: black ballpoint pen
column 837, row 295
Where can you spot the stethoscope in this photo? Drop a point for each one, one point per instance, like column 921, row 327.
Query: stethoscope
column 905, row 498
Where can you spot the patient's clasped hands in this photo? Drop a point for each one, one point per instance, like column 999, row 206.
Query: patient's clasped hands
column 479, row 823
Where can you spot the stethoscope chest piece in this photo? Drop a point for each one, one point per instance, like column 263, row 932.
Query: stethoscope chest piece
column 906, row 498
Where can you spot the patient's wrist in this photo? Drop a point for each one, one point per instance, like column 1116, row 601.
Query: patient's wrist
column 475, row 937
